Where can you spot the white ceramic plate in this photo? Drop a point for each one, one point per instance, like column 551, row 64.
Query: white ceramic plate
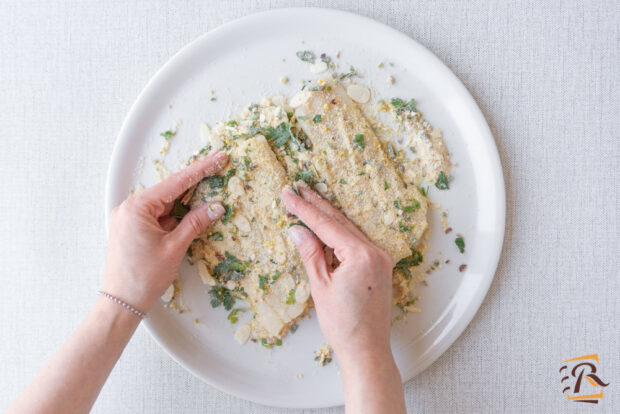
column 242, row 62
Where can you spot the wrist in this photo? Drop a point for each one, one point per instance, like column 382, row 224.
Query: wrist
column 110, row 312
column 364, row 358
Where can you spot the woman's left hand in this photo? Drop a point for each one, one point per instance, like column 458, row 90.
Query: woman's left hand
column 147, row 244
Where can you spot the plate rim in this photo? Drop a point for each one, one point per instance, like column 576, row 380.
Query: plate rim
column 463, row 321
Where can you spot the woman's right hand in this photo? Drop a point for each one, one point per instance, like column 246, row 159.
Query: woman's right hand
column 354, row 301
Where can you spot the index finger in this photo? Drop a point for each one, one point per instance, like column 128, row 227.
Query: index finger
column 330, row 231
column 172, row 187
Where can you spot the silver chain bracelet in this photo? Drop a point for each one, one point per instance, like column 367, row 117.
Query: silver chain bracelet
column 123, row 304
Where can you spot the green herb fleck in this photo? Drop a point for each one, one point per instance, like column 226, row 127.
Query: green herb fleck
column 460, row 243
column 262, row 282
column 232, row 123
column 342, row 181
column 168, row 134
column 423, row 191
column 414, row 260
column 279, row 135
column 264, row 343
column 359, row 141
column 317, row 118
column 442, row 181
column 397, row 204
column 386, row 186
column 216, row 235
column 229, row 268
column 404, row 228
column 352, row 72
column 410, row 209
column 233, row 315
column 306, row 56
column 220, row 295
column 290, row 300
column 305, row 175
column 276, row 276
column 402, row 106
column 229, row 212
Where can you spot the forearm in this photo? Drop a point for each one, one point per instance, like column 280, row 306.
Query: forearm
column 372, row 384
column 72, row 379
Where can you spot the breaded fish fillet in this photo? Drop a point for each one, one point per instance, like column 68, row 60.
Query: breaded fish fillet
column 351, row 163
column 248, row 252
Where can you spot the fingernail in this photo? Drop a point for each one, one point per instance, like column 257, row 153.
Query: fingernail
column 301, row 183
column 298, row 234
column 215, row 211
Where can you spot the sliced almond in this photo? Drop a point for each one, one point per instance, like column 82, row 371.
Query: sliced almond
column 302, row 292
column 318, row 67
column 242, row 224
column 360, row 94
column 389, row 217
column 204, row 273
column 436, row 133
column 242, row 334
column 235, row 186
column 321, row 188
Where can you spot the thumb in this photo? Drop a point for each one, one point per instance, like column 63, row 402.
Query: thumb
column 310, row 249
column 195, row 222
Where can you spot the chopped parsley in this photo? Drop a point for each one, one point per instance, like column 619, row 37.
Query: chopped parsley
column 215, row 181
column 279, row 135
column 290, row 300
column 306, row 56
column 442, row 181
column 168, row 134
column 220, row 295
column 317, row 118
column 414, row 260
column 404, row 228
column 402, row 106
column 229, row 212
column 342, row 181
column 352, row 72
column 423, row 191
column 276, row 276
column 412, row 208
column 359, row 141
column 232, row 123
column 397, row 204
column 460, row 243
column 386, row 186
column 179, row 210
column 216, row 235
column 246, row 163
column 229, row 268
column 264, row 343
column 305, row 175
column 262, row 282
column 233, row 315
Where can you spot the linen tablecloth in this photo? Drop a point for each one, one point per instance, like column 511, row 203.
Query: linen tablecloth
column 546, row 75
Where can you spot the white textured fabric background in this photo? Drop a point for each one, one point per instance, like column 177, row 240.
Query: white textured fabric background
column 547, row 77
